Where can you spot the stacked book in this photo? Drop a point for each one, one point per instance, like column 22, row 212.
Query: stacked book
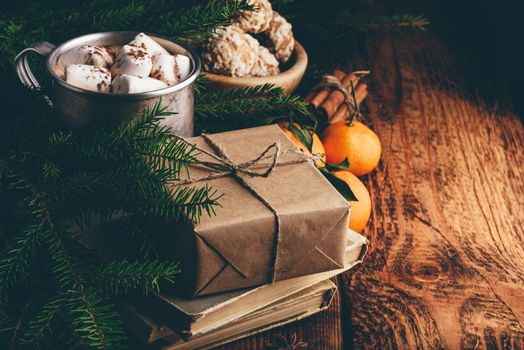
column 175, row 323
column 283, row 224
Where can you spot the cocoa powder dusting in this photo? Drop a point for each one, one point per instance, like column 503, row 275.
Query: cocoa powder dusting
column 88, row 59
column 156, row 74
column 100, row 85
column 138, row 54
column 177, row 72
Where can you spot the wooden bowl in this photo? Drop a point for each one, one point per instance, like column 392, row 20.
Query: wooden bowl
column 288, row 80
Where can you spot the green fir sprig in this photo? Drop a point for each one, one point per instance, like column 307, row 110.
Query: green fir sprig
column 60, row 177
column 342, row 17
column 123, row 276
column 246, row 107
column 390, row 22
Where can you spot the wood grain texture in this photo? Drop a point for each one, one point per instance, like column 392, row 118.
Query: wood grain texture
column 446, row 265
column 445, row 269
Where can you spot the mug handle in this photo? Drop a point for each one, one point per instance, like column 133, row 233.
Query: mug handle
column 23, row 70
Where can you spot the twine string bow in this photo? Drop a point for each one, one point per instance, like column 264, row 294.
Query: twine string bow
column 223, row 166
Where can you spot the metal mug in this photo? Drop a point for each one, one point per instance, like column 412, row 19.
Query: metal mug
column 79, row 107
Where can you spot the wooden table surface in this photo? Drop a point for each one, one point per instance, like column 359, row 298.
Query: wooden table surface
column 446, row 263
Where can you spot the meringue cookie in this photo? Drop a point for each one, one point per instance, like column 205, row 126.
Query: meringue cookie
column 280, row 33
column 256, row 21
column 231, row 52
column 88, row 77
column 170, row 69
column 129, row 84
column 132, row 60
column 266, row 64
column 87, row 54
column 148, row 44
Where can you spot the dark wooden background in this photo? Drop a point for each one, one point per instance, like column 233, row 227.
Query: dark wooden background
column 446, row 264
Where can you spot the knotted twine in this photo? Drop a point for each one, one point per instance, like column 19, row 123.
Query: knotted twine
column 334, row 83
column 223, row 166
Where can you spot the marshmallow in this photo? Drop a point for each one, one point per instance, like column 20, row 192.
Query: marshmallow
column 132, row 60
column 170, row 69
column 184, row 66
column 148, row 44
column 88, row 77
column 132, row 84
column 87, row 54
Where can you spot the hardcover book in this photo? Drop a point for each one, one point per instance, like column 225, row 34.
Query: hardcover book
column 292, row 308
column 227, row 316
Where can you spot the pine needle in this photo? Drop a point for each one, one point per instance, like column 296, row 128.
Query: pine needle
column 123, row 276
column 246, row 107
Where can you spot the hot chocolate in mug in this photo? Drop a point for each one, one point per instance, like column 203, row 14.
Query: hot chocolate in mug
column 79, row 107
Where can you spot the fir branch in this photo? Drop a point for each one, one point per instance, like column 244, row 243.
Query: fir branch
column 139, row 190
column 199, row 22
column 160, row 156
column 245, row 107
column 20, row 254
column 50, row 170
column 146, row 123
column 9, row 41
column 122, row 276
column 4, row 312
column 182, row 20
column 142, row 140
column 77, row 197
column 92, row 316
column 389, row 22
column 164, row 151
column 22, row 249
column 18, row 327
column 99, row 329
column 122, row 16
column 95, row 320
column 182, row 204
column 43, row 323
column 173, row 155
column 339, row 24
column 144, row 230
column 246, row 100
column 6, row 322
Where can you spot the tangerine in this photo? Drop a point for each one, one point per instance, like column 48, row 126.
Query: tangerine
column 356, row 142
column 360, row 209
column 316, row 147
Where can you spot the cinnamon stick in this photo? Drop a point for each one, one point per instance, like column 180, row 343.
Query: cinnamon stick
column 342, row 113
column 335, row 98
column 318, row 97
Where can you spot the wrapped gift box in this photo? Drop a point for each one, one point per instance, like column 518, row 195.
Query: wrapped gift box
column 287, row 224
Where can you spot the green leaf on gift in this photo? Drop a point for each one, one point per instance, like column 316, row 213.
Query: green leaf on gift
column 341, row 186
column 343, row 165
column 303, row 135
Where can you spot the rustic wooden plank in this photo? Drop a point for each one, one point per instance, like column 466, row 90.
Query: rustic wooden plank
column 447, row 234
column 321, row 331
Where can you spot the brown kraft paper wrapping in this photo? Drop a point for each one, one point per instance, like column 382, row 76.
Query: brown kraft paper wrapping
column 235, row 248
